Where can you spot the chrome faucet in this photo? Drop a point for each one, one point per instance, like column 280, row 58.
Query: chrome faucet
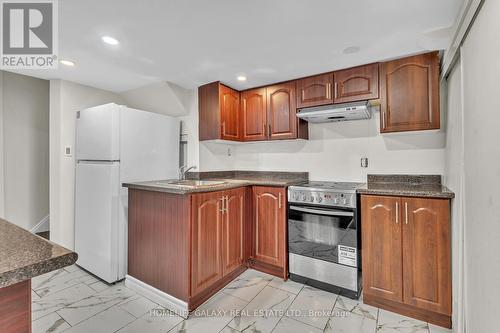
column 183, row 170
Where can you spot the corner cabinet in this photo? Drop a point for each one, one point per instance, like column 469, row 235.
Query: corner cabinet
column 406, row 251
column 219, row 112
column 281, row 113
column 233, row 223
column 269, row 230
column 409, row 90
column 254, row 115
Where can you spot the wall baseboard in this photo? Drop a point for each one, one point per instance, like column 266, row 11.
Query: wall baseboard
column 43, row 225
column 171, row 303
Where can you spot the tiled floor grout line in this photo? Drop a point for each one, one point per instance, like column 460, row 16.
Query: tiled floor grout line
column 95, row 314
column 266, row 280
column 248, row 302
column 51, row 313
column 137, row 318
column 288, row 307
column 331, row 313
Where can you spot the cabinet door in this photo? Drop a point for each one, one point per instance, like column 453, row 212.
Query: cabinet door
column 410, row 94
column 381, row 247
column 356, row 84
column 253, row 112
column 229, row 108
column 269, row 215
column 281, row 111
column 206, row 240
column 315, row 90
column 426, row 254
column 232, row 230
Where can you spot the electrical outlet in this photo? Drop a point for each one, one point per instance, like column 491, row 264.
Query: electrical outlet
column 364, row 162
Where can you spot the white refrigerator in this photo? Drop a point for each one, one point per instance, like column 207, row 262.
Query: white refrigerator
column 116, row 144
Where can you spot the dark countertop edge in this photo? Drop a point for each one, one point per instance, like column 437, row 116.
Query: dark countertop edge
column 233, row 184
column 409, row 193
column 24, row 273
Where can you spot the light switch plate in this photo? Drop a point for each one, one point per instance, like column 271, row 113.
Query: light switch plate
column 68, row 151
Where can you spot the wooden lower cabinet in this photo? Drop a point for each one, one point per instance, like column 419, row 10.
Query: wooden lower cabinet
column 217, row 237
column 269, row 252
column 406, row 248
column 233, row 223
column 15, row 308
column 191, row 246
column 206, row 240
column 426, row 254
column 381, row 232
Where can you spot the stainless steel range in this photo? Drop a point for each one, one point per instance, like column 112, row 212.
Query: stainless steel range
column 323, row 236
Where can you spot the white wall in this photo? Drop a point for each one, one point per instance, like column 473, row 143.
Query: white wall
column 480, row 56
column 333, row 152
column 189, row 127
column 454, row 179
column 25, row 136
column 161, row 97
column 66, row 98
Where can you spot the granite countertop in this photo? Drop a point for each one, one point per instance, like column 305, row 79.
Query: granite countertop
column 24, row 255
column 231, row 179
column 425, row 186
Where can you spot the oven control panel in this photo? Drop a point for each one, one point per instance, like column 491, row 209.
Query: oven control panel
column 324, row 198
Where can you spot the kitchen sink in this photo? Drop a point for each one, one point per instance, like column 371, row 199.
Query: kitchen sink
column 191, row 183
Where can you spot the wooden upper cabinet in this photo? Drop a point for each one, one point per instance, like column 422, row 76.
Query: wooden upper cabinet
column 381, row 239
column 230, row 113
column 206, row 239
column 315, row 90
column 232, row 230
column 270, row 225
column 356, row 84
column 254, row 115
column 281, row 111
column 219, row 113
column 409, row 94
column 426, row 254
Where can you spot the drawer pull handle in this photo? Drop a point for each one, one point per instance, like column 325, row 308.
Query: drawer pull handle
column 406, row 212
column 397, row 212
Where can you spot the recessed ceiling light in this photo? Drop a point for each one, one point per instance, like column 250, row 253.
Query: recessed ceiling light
column 241, row 78
column 351, row 49
column 67, row 63
column 110, row 40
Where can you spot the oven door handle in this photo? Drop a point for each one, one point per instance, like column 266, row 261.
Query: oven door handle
column 330, row 212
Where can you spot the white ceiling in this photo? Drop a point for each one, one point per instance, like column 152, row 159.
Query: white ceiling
column 192, row 42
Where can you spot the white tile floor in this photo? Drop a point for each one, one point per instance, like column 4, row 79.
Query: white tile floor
column 71, row 300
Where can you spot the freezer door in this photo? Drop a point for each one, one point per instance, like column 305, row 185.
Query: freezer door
column 98, row 133
column 97, row 218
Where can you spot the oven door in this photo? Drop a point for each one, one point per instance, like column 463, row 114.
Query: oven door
column 327, row 234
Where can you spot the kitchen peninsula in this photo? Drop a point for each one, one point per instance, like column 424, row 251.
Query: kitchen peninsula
column 22, row 257
column 188, row 239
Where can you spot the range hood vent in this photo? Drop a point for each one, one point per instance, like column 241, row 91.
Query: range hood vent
column 337, row 112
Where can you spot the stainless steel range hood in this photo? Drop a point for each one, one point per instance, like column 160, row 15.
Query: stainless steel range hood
column 336, row 112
